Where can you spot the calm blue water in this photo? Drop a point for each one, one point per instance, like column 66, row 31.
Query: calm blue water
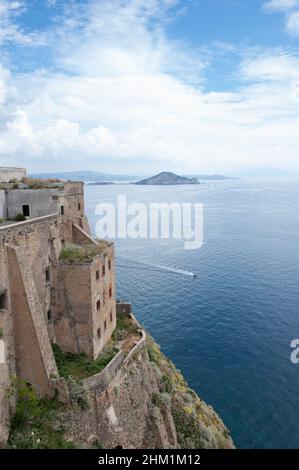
column 229, row 330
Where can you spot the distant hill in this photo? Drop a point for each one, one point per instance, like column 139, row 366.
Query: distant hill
column 100, row 178
column 167, row 178
column 87, row 176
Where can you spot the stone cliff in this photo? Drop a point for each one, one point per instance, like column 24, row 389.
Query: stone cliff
column 145, row 403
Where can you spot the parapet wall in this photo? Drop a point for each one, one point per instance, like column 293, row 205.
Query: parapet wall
column 98, row 383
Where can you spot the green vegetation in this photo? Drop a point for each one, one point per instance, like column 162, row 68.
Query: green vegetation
column 19, row 218
column 36, row 423
column 2, row 219
column 157, row 399
column 35, row 183
column 1, row 333
column 71, row 252
column 79, row 366
column 197, row 425
column 124, row 326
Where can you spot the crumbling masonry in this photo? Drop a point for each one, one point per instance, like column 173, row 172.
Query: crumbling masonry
column 43, row 299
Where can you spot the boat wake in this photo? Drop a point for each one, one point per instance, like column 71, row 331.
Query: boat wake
column 160, row 267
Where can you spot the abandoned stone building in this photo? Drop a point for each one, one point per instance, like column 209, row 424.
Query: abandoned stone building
column 46, row 298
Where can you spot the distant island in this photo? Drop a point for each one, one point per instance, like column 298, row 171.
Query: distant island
column 88, row 177
column 167, row 178
column 98, row 178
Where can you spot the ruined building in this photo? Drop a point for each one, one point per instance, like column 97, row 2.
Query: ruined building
column 44, row 299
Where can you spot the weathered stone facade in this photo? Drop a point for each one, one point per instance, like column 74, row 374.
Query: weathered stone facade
column 9, row 174
column 46, row 300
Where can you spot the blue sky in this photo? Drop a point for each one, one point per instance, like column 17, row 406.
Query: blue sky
column 134, row 86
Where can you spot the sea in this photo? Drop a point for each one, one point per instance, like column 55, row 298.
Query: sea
column 229, row 330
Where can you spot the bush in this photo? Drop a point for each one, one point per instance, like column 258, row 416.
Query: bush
column 78, row 394
column 19, row 218
column 157, row 399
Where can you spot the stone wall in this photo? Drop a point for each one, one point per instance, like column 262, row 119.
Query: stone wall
column 47, row 300
column 91, row 308
column 77, row 287
column 126, row 415
column 2, row 203
column 34, row 358
column 67, row 201
column 8, row 174
column 41, row 202
column 123, row 309
column 103, row 291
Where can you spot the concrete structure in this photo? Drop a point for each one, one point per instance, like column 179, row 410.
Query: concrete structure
column 11, row 174
column 40, row 302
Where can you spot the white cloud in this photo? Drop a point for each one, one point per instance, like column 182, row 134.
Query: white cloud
column 126, row 98
column 292, row 23
column 290, row 9
column 280, row 5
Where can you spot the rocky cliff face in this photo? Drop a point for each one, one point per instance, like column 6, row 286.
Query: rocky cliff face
column 144, row 403
column 149, row 405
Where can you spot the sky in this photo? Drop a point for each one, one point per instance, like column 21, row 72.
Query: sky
column 141, row 86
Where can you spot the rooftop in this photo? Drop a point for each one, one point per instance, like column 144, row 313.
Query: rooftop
column 86, row 253
column 32, row 183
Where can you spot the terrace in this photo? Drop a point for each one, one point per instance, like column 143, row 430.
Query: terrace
column 80, row 367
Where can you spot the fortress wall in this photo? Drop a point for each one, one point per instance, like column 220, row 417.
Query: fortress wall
column 7, row 174
column 80, row 237
column 2, row 203
column 41, row 202
column 37, row 239
column 103, row 289
column 73, row 200
column 33, row 353
column 77, row 287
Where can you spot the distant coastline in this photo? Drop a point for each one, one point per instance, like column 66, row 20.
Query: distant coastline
column 95, row 178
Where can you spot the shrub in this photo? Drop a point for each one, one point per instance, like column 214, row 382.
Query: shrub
column 19, row 218
column 78, row 394
column 156, row 399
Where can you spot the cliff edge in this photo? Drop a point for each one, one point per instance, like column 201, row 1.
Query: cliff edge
column 141, row 402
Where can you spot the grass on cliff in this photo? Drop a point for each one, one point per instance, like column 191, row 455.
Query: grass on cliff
column 36, row 423
column 79, row 366
column 124, row 326
column 71, row 252
column 197, row 425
